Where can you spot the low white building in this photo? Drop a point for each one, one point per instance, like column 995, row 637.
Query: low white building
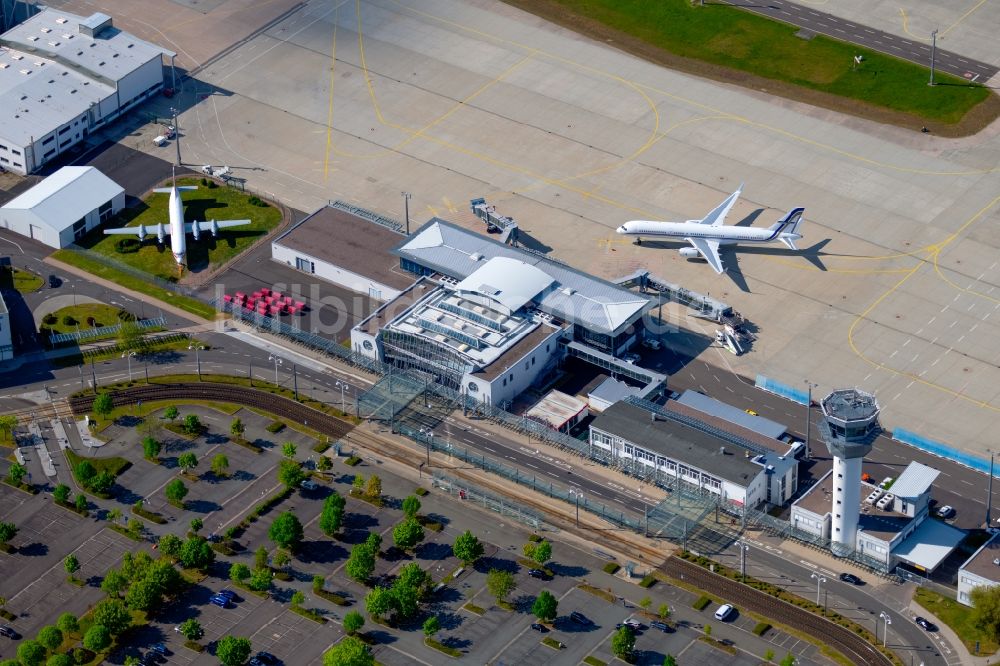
column 980, row 570
column 64, row 207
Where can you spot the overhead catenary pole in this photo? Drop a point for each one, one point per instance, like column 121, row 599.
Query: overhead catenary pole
column 406, row 210
column 809, row 401
column 989, row 493
column 177, row 134
column 933, row 53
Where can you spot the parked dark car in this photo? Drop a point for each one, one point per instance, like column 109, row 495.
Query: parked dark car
column 263, row 659
column 536, row 573
column 662, row 626
column 9, row 632
column 54, row 281
column 158, row 648
column 540, row 628
column 850, row 578
column 925, row 624
column 580, row 618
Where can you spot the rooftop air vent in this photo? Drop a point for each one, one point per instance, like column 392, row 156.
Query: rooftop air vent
column 61, row 20
column 569, row 291
column 79, row 53
column 26, row 71
column 67, row 35
column 130, row 46
column 4, row 65
column 476, row 257
column 53, row 43
column 46, row 30
column 32, row 38
column 17, row 57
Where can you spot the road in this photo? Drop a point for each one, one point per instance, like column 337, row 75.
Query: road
column 876, row 40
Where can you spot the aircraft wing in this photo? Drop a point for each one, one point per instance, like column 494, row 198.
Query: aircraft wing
column 709, row 249
column 718, row 214
column 206, row 225
column 134, row 231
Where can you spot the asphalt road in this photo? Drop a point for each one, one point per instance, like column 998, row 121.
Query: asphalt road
column 876, row 40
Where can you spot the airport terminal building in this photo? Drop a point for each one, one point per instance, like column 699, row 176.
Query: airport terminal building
column 64, row 76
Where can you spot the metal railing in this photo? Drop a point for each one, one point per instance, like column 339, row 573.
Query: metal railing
column 496, row 503
column 104, row 331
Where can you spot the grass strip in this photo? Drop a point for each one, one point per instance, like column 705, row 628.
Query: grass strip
column 597, row 592
column 441, row 647
column 611, row 568
column 309, row 613
column 552, row 643
column 473, row 608
column 718, row 645
column 332, row 597
column 151, row 516
column 591, row 660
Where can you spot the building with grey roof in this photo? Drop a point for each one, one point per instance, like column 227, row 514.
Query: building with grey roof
column 600, row 314
column 679, row 451
column 64, row 207
column 980, row 570
column 735, row 415
column 63, row 76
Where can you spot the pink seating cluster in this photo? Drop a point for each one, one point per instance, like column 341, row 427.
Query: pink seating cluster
column 266, row 302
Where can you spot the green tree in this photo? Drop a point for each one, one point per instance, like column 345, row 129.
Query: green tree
column 103, row 405
column 150, row 448
column 115, row 515
column 348, row 652
column 7, row 532
column 379, row 601
column 289, row 450
column 707, row 629
column 170, row 413
column 68, row 624
column 411, row 506
column 113, row 614
column 286, row 531
column 220, row 465
column 97, row 638
column 114, row 583
column 143, row 595
column 191, row 629
column 163, row 576
column 318, row 583
column 374, row 541
column 260, row 558
column 233, row 650
column 769, row 656
column 332, row 517
column 61, row 493
column 663, row 611
column 623, row 643
column 405, row 599
column 176, row 491
column 353, row 621
column 59, row 660
column 85, row 472
column 260, row 580
column 413, row 576
column 645, row 603
column 545, row 607
column 298, row 598
column 238, row 572
column 788, row 660
column 80, row 502
column 31, row 653
column 196, row 553
column 373, row 488
column 985, row 609
column 360, row 563
column 358, row 484
column 7, row 424
column 542, row 552
column 324, row 464
column 101, row 482
column 16, row 472
column 407, row 534
column 236, row 429
column 50, row 637
column 196, row 524
column 467, row 548
column 170, row 546
column 281, row 559
column 71, row 564
column 187, row 461
column 500, row 583
column 290, row 473
column 670, row 660
column 431, row 626
column 192, row 424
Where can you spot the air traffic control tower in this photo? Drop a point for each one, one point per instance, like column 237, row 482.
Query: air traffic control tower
column 849, row 426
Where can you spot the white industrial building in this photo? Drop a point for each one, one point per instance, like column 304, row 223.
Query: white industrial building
column 64, row 207
column 676, row 447
column 980, row 570
column 63, row 76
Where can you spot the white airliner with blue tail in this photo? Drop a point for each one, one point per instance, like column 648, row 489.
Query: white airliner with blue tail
column 177, row 229
column 707, row 234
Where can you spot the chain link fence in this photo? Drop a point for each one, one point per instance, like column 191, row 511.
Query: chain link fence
column 495, row 503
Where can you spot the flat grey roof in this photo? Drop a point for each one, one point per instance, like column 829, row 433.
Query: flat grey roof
column 612, row 390
column 981, row 563
column 915, row 480
column 752, row 436
column 577, row 297
column 713, row 407
column 929, row 544
column 351, row 242
column 512, row 356
column 677, row 441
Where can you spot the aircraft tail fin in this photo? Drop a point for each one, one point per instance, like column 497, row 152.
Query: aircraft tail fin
column 790, row 222
column 789, row 242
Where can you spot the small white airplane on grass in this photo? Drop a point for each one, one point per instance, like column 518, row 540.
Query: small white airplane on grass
column 177, row 228
column 707, row 234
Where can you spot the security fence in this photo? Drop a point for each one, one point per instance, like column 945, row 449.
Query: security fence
column 496, row 503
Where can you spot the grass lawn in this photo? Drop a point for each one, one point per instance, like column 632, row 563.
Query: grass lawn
column 221, row 203
column 959, row 618
column 192, row 305
column 103, row 315
column 20, row 279
column 726, row 36
column 114, row 464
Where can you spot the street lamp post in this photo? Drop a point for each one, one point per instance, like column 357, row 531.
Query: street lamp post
column 342, row 385
column 295, row 382
column 885, row 630
column 743, row 559
column 819, row 581
column 809, row 402
column 989, row 492
column 277, row 362
column 177, row 134
column 933, row 53
column 577, row 494
column 197, row 356
column 406, row 209
column 129, row 355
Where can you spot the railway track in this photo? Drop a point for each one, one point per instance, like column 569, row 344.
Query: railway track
column 330, row 426
column 844, row 641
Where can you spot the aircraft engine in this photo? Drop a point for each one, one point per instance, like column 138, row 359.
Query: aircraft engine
column 215, row 229
column 196, row 230
column 689, row 253
column 142, row 232
column 159, row 233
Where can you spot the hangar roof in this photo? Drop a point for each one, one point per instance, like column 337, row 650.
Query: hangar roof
column 509, row 282
column 67, row 195
column 577, row 297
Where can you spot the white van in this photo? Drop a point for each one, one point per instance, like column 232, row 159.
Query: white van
column 160, row 140
column 725, row 610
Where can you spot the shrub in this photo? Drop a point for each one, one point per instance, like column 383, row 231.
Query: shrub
column 212, row 185
column 50, row 319
column 420, row 491
column 611, row 568
column 275, row 427
column 761, row 628
column 701, row 603
column 68, row 320
column 648, row 581
column 127, row 245
column 125, row 315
